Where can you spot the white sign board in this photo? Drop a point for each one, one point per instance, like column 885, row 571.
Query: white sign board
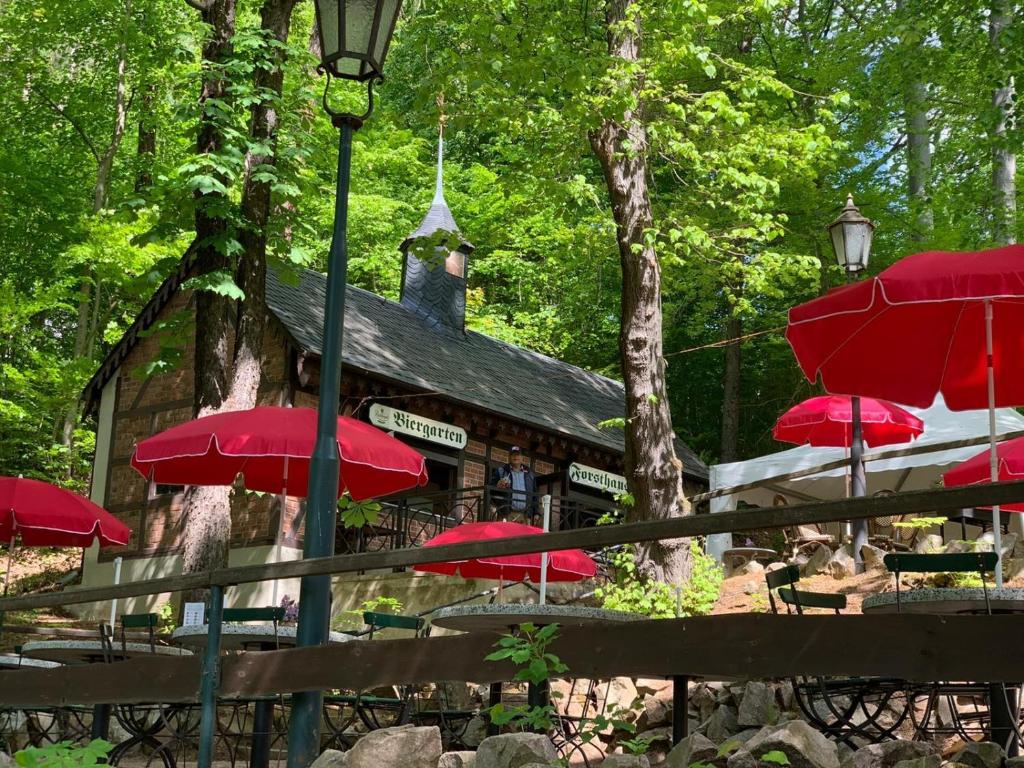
column 601, row 479
column 193, row 614
column 392, row 419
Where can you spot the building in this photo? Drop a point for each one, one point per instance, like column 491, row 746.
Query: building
column 460, row 397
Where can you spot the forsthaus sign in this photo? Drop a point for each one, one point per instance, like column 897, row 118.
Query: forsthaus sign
column 581, row 474
column 417, row 426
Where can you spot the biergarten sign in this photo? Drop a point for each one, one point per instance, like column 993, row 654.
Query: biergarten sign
column 592, row 477
column 394, row 420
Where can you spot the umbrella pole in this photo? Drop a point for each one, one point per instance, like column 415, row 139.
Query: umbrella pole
column 546, row 504
column 117, row 580
column 858, row 484
column 7, row 580
column 993, row 457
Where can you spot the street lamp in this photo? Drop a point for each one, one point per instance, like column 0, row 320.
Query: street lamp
column 354, row 40
column 851, row 238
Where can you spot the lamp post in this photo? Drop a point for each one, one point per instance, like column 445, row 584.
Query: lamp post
column 851, row 235
column 354, row 40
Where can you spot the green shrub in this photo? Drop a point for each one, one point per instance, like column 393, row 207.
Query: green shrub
column 633, row 594
column 64, row 754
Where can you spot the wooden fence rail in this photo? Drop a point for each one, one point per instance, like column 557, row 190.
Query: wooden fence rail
column 601, row 536
column 910, row 646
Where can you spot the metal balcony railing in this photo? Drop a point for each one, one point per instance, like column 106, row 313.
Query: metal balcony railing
column 412, row 519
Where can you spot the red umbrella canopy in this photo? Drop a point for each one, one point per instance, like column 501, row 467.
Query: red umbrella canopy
column 271, row 448
column 44, row 515
column 918, row 328
column 976, row 470
column 564, row 565
column 826, row 421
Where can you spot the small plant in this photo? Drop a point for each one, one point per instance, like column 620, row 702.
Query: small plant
column 64, row 754
column 776, row 757
column 356, row 514
column 291, row 609
column 636, row 745
column 920, row 523
column 528, row 650
column 759, row 602
column 165, row 617
column 351, row 619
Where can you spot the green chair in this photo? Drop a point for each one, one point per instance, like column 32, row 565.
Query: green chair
column 852, row 710
column 377, row 621
column 782, row 581
column 269, row 614
column 982, row 563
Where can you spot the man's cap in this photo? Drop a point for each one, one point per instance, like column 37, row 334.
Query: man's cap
column 515, row 449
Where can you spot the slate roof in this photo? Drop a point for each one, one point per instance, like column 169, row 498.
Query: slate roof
column 384, row 338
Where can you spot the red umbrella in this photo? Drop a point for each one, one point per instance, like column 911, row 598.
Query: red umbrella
column 44, row 515
column 564, row 565
column 271, row 448
column 933, row 322
column 976, row 470
column 918, row 329
column 826, row 421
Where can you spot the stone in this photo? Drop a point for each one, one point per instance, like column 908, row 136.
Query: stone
column 694, row 748
column 981, row 754
column 749, row 568
column 787, row 696
column 475, row 732
column 656, row 712
column 817, row 562
column 741, row 758
column 655, row 686
column 722, row 724
column 752, row 587
column 873, row 557
column 841, row 565
column 1014, row 762
column 799, row 742
column 959, row 545
column 1008, row 541
column 887, row 753
column 704, row 701
column 930, row 543
column 1013, row 567
column 661, row 735
column 622, row 693
column 515, row 750
column 930, row 761
column 401, row 747
column 757, row 707
column 626, row 761
column 457, row 760
column 329, row 758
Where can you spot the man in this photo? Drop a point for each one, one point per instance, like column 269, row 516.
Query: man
column 516, row 497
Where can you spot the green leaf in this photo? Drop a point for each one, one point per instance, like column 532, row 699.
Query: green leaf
column 775, row 757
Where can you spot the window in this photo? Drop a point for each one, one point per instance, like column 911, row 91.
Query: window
column 156, row 490
column 455, row 264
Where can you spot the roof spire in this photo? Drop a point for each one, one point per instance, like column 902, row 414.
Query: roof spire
column 439, row 185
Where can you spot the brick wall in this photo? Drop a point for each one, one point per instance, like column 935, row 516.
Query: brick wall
column 146, row 406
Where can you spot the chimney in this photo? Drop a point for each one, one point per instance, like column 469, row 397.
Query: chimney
column 436, row 289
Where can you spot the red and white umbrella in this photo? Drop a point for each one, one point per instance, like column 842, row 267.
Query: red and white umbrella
column 976, row 470
column 43, row 515
column 564, row 565
column 270, row 447
column 933, row 322
column 827, row 422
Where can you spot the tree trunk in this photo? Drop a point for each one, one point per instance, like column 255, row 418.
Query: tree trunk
column 919, row 160
column 145, row 153
column 652, row 469
column 251, row 275
column 84, row 333
column 1004, row 160
column 731, row 390
column 207, row 510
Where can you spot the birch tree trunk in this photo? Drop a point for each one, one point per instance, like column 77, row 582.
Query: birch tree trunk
column 654, row 473
column 919, row 160
column 1004, row 160
column 731, row 390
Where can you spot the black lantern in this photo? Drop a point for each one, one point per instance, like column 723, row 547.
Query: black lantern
column 851, row 237
column 354, row 36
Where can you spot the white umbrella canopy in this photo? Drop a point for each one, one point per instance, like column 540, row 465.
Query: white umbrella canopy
column 907, row 473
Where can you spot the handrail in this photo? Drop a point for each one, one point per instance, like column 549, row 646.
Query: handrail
column 598, row 536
